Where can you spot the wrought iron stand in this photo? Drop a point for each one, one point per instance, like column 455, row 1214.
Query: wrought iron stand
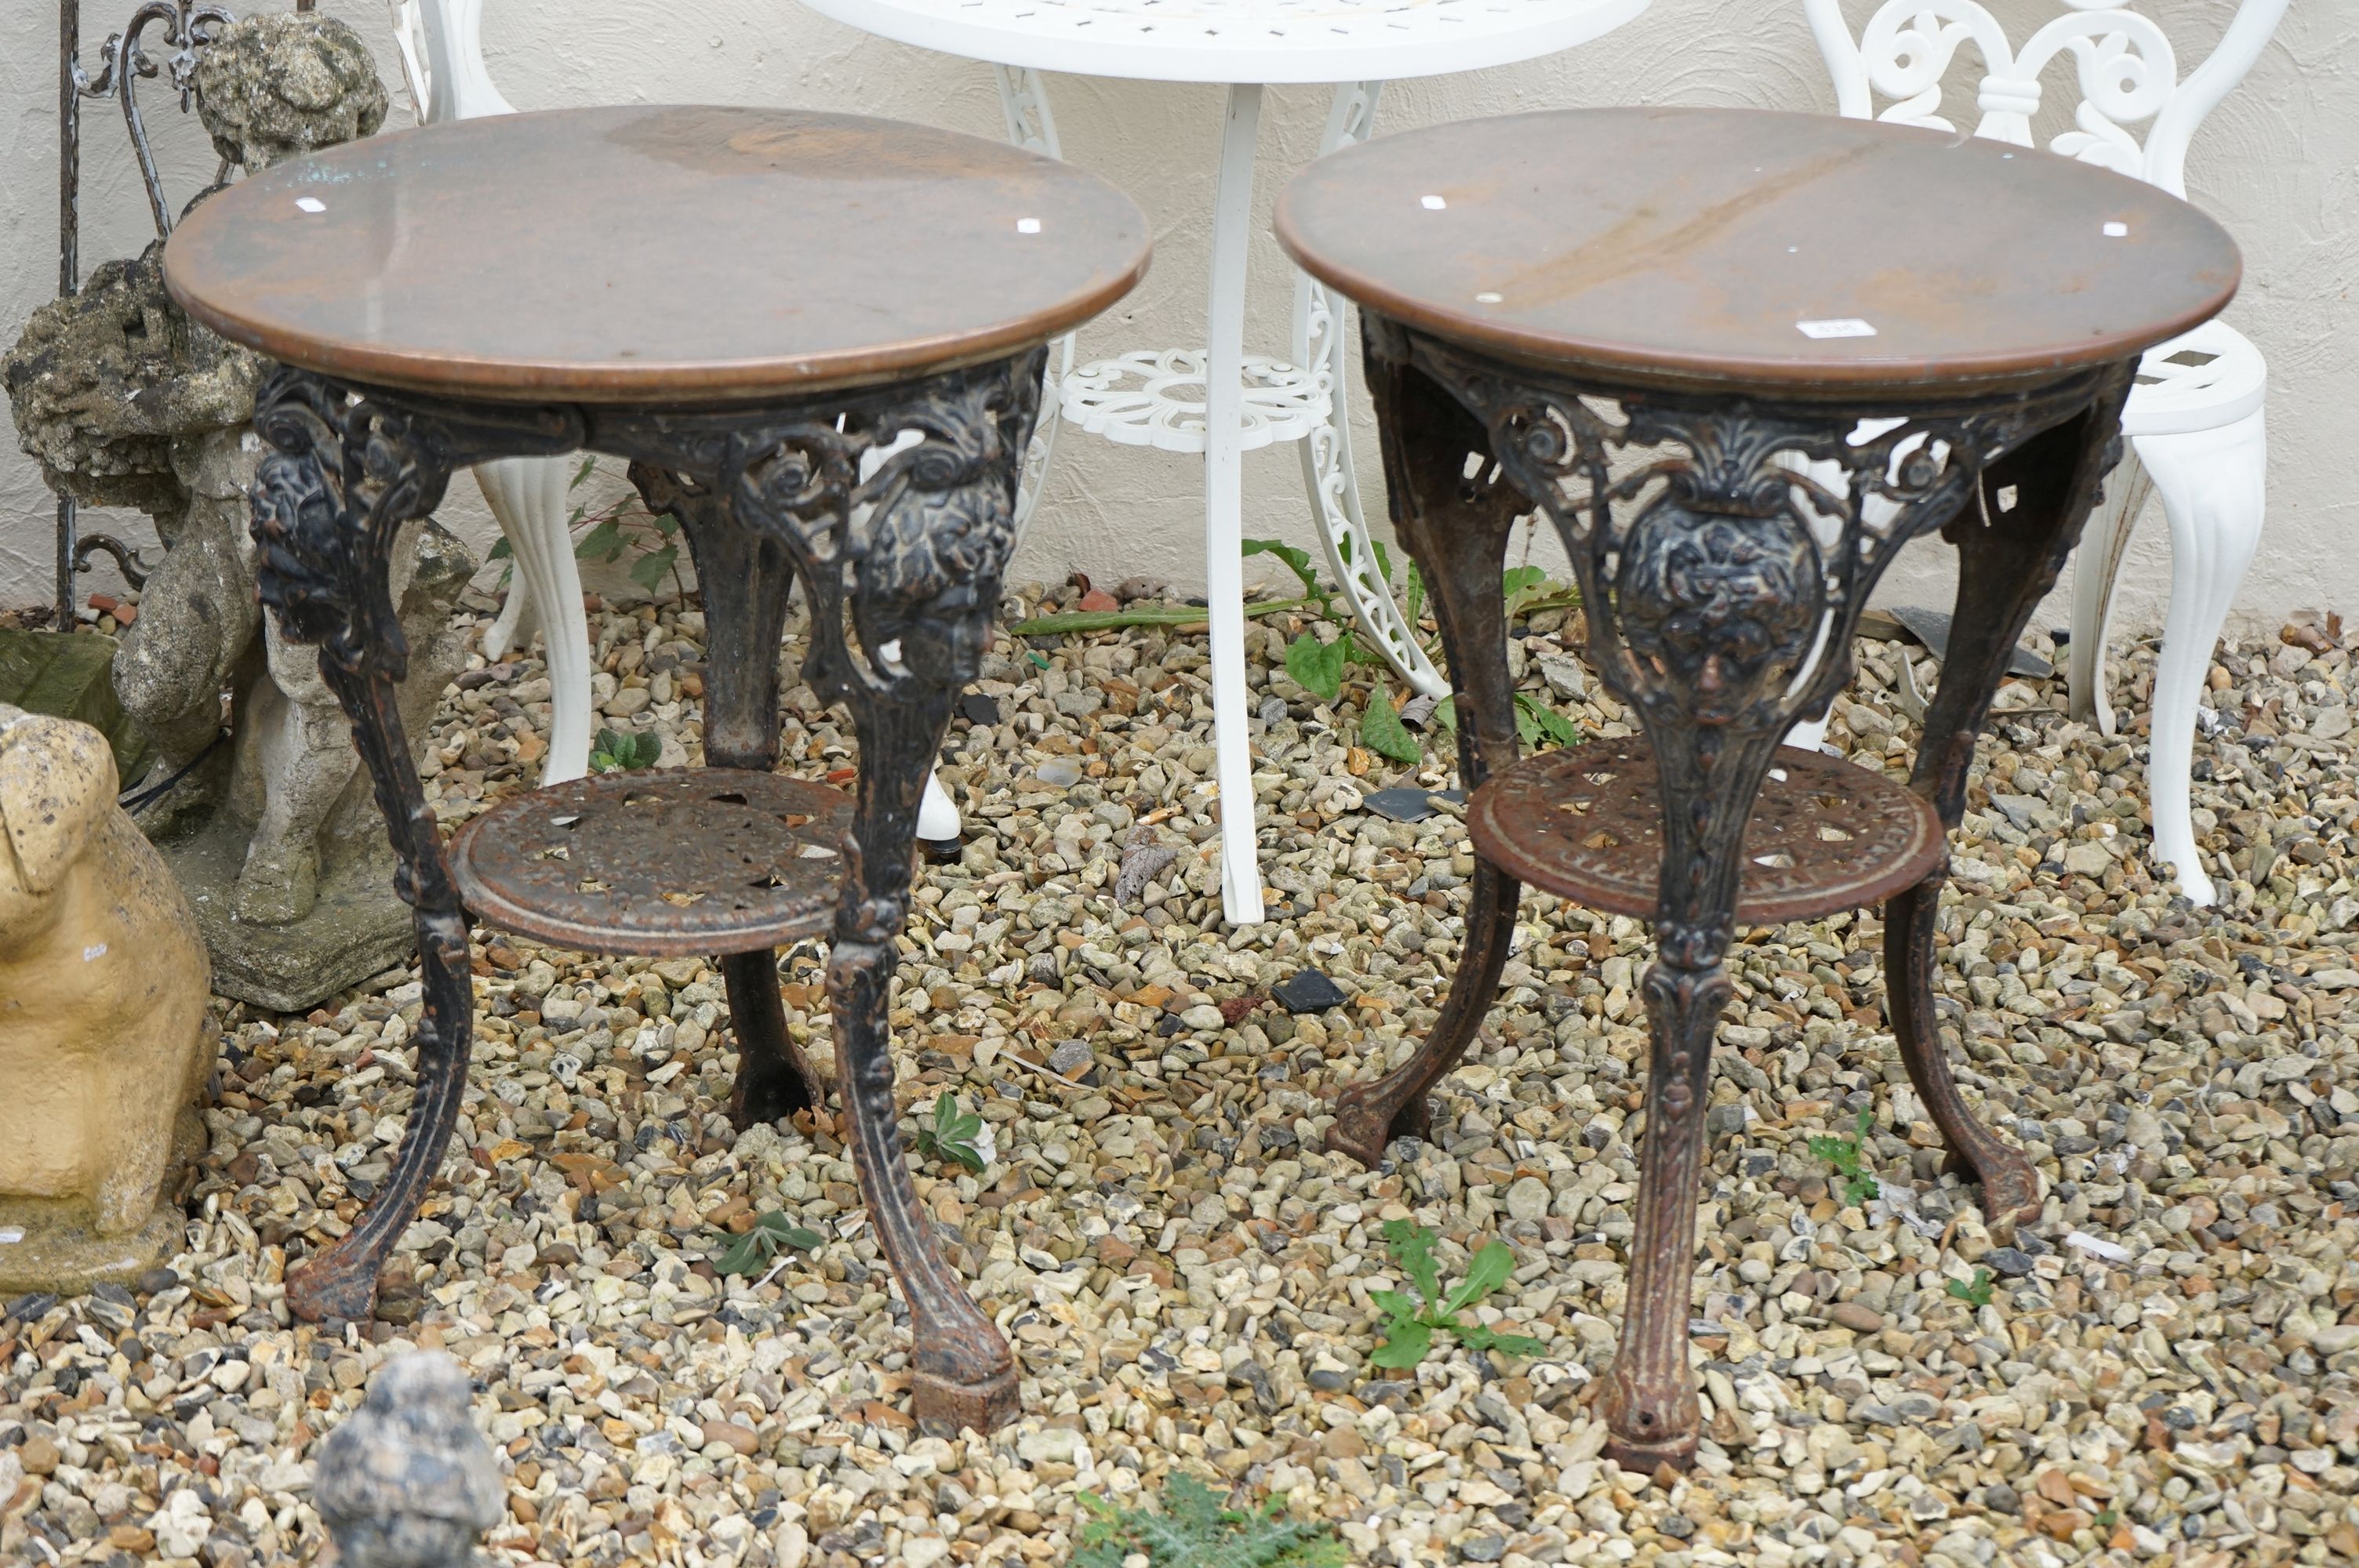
column 1722, row 581
column 189, row 27
column 901, row 566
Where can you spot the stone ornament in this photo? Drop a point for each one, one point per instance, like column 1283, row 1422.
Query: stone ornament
column 102, row 1044
column 127, row 402
column 276, row 87
column 408, row 1482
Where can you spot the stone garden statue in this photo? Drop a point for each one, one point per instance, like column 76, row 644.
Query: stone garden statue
column 127, row 402
column 102, row 1039
column 406, row 1481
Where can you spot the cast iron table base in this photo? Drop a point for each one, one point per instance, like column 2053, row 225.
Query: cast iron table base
column 1700, row 606
column 763, row 494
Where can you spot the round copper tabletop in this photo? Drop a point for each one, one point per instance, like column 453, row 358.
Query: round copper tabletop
column 1797, row 251
column 654, row 254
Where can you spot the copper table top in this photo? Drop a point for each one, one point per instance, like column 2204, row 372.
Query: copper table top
column 1793, row 252
column 655, row 255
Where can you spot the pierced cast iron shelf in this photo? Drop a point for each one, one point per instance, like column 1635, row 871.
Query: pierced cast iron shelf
column 1585, row 823
column 668, row 864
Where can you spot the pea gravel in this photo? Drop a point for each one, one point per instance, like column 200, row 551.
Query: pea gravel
column 2163, row 1369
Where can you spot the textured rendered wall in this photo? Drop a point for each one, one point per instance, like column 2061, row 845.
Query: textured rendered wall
column 2279, row 164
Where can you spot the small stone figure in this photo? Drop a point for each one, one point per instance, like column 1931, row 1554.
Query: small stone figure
column 127, row 402
column 275, row 87
column 102, row 1039
column 407, row 1482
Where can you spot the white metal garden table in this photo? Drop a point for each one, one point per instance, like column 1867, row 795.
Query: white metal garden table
column 1219, row 400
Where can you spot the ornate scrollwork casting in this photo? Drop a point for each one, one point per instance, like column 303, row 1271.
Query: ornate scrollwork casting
column 900, row 512
column 345, row 472
column 1724, row 567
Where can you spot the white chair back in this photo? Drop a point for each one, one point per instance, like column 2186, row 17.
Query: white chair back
column 442, row 60
column 2125, row 72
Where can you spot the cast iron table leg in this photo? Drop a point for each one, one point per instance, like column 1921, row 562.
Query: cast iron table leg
column 344, row 480
column 745, row 577
column 900, row 547
column 2034, row 501
column 1457, row 529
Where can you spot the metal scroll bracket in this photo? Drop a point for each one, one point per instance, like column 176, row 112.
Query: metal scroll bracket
column 187, row 28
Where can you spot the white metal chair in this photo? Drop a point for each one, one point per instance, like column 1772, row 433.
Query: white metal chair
column 2194, row 421
column 440, row 42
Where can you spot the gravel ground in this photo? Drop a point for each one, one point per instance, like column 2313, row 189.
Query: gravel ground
column 2162, row 1367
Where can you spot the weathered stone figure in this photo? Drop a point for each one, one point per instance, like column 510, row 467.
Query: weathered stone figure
column 103, row 1043
column 127, row 402
column 406, row 1481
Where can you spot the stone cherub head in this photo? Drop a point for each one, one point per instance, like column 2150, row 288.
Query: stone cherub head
column 274, row 87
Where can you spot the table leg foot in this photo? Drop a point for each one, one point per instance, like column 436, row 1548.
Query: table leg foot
column 2010, row 1185
column 1365, row 1123
column 986, row 1404
column 775, row 1080
column 1643, row 1458
column 1369, row 1116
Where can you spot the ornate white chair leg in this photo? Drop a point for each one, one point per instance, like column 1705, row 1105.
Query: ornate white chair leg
column 2213, row 489
column 1224, row 504
column 512, row 627
column 1322, row 347
column 2094, row 566
column 527, row 497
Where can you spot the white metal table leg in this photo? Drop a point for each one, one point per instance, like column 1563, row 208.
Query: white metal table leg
column 526, row 495
column 2213, row 489
column 1322, row 347
column 1225, row 503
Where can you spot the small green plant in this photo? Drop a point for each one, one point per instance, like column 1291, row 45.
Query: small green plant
column 956, row 1137
column 624, row 523
column 1847, row 1158
column 1410, row 1324
column 1321, row 666
column 750, row 1253
column 2110, row 1517
column 616, row 750
column 1535, row 721
column 1976, row 1292
column 1194, row 1531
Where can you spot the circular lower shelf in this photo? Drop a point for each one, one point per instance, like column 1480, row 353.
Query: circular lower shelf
column 1155, row 398
column 668, row 864
column 1585, row 823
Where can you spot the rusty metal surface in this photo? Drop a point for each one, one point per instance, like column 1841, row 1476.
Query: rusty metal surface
column 1585, row 823
column 670, row 864
column 1691, row 244
column 654, row 254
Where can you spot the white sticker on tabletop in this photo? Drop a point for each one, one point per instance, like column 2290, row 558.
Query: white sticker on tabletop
column 1836, row 327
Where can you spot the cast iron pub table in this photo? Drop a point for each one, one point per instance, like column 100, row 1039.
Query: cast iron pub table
column 818, row 340
column 1738, row 358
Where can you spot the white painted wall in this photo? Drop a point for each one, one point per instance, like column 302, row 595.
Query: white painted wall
column 2279, row 164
